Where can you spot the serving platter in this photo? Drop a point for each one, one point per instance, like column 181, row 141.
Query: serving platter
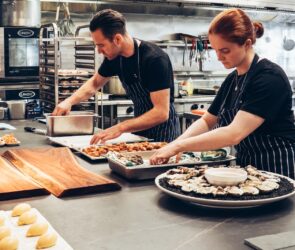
column 146, row 171
column 218, row 203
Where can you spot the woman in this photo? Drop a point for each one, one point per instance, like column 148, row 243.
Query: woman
column 253, row 108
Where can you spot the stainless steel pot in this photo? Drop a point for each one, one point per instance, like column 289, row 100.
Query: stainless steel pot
column 114, row 86
column 20, row 13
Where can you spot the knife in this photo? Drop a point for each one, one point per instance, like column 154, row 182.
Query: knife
column 35, row 130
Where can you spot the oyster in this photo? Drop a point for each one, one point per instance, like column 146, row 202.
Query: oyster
column 268, row 186
column 234, row 190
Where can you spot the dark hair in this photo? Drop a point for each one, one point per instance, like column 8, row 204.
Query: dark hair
column 235, row 26
column 110, row 22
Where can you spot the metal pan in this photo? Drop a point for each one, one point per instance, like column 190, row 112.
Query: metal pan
column 146, row 171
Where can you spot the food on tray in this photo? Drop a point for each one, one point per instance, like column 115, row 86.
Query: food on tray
column 9, row 243
column 258, row 185
column 2, row 142
column 130, row 160
column 10, row 139
column 4, row 232
column 37, row 229
column 214, row 155
column 20, row 209
column 100, row 150
column 2, row 219
column 27, row 218
column 47, row 240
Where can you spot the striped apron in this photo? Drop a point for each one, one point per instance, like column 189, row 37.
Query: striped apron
column 265, row 152
column 140, row 96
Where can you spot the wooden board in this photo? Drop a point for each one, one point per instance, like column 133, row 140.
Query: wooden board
column 57, row 170
column 13, row 184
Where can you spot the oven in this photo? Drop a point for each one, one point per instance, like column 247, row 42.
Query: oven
column 19, row 52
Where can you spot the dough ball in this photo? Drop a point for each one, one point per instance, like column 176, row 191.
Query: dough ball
column 9, row 243
column 47, row 240
column 4, row 232
column 37, row 229
column 20, row 209
column 2, row 219
column 27, row 218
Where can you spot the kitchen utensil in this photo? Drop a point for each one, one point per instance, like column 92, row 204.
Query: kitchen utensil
column 57, row 170
column 13, row 184
column 192, row 51
column 66, row 25
column 76, row 123
column 114, row 86
column 288, row 44
column 35, row 130
column 184, row 51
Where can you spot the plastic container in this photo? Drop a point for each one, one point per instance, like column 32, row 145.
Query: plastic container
column 17, row 109
column 225, row 176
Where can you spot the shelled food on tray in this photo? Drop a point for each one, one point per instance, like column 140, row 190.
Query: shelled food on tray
column 136, row 165
column 134, row 159
column 193, row 185
column 130, row 160
column 9, row 140
column 102, row 150
column 24, row 228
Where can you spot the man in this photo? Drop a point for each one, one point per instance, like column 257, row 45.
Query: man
column 146, row 74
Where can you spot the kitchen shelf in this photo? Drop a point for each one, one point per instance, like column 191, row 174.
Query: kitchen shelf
column 53, row 88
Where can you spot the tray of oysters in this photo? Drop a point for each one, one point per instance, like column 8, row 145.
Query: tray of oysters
column 235, row 187
column 136, row 165
column 25, row 228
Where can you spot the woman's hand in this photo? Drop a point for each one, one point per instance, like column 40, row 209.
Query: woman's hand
column 162, row 155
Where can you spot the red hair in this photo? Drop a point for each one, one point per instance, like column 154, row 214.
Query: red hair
column 235, row 26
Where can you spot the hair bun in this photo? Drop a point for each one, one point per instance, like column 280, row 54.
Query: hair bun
column 258, row 29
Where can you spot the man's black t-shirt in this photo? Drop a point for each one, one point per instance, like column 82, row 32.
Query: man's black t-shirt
column 155, row 68
column 267, row 94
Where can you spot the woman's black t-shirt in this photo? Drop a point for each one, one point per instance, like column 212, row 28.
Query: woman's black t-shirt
column 267, row 94
column 155, row 68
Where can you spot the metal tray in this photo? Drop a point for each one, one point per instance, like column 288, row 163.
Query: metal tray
column 146, row 171
column 79, row 142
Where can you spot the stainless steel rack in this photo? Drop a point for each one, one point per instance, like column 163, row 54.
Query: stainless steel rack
column 56, row 84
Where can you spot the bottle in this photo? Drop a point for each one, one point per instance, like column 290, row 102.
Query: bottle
column 190, row 86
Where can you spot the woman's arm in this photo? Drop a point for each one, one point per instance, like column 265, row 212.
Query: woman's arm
column 243, row 125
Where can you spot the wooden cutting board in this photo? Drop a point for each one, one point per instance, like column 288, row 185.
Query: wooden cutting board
column 13, row 184
column 57, row 170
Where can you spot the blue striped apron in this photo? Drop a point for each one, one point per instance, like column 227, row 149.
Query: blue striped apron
column 140, row 96
column 265, row 152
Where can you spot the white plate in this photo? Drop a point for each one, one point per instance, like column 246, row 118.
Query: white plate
column 224, row 203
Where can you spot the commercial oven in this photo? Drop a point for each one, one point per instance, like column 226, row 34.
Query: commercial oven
column 19, row 52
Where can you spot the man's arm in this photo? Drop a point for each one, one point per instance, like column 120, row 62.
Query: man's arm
column 157, row 115
column 87, row 90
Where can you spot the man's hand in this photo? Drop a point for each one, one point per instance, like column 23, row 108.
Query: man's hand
column 108, row 134
column 62, row 108
column 162, row 155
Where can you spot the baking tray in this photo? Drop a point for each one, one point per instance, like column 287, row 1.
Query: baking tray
column 29, row 243
column 79, row 142
column 146, row 171
column 94, row 158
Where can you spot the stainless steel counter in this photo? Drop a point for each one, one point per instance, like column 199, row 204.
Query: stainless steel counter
column 140, row 217
column 188, row 99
